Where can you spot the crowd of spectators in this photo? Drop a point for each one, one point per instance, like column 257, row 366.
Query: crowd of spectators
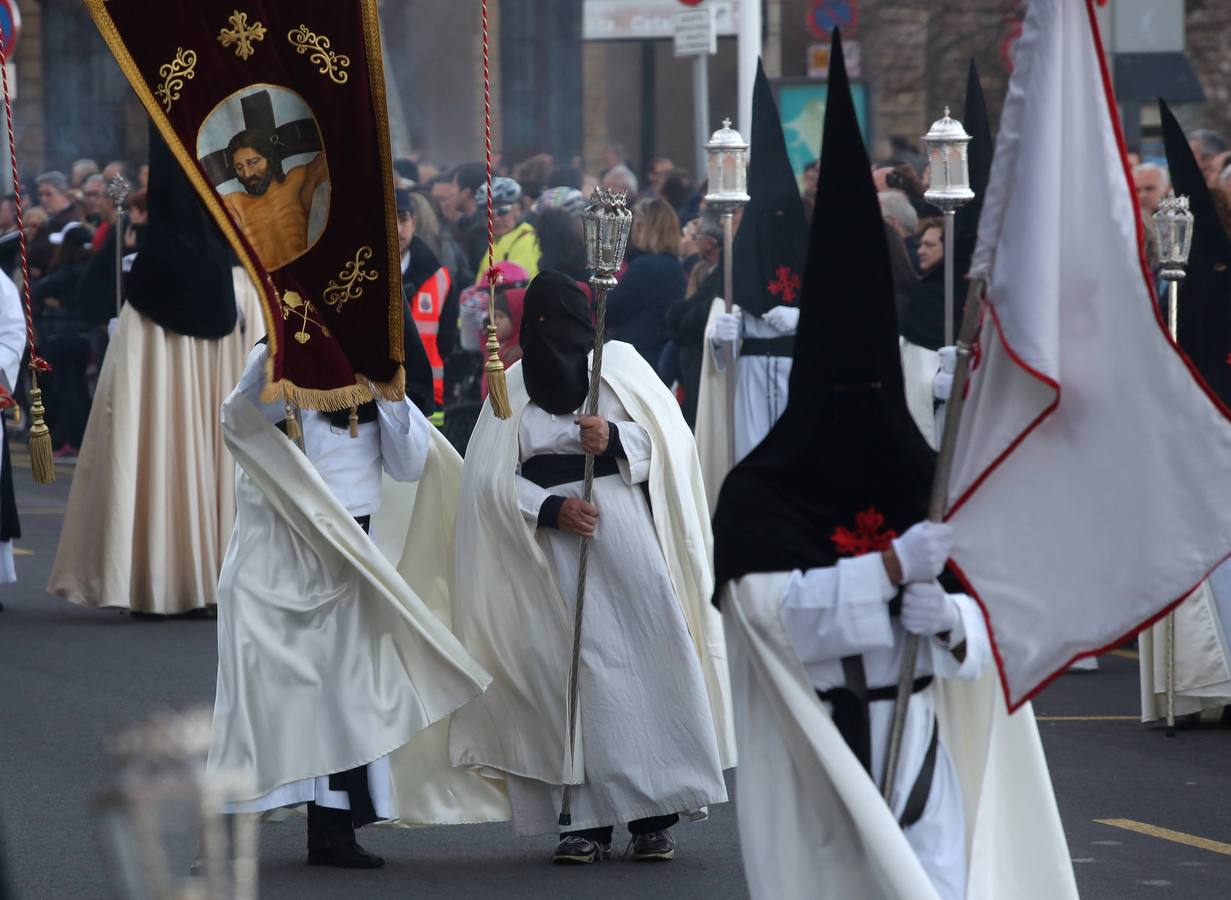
column 672, row 272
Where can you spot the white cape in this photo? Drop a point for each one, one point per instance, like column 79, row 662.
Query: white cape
column 1202, row 657
column 327, row 659
column 715, row 427
column 813, row 825
column 503, row 580
column 919, row 368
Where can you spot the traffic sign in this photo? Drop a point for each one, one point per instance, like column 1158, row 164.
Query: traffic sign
column 826, row 15
column 10, row 26
column 696, row 32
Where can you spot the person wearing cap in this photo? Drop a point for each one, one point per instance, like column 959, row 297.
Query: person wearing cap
column 515, row 241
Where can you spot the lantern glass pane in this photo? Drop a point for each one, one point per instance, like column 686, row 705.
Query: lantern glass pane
column 940, row 174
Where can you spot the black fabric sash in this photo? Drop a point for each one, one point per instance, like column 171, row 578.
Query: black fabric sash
column 850, row 714
column 10, row 525
column 550, row 469
column 776, row 346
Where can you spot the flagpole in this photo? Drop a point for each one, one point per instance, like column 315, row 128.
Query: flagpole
column 937, row 506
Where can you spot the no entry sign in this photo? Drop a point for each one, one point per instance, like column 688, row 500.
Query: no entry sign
column 10, row 26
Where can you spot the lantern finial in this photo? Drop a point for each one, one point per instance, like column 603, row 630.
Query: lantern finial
column 727, row 157
column 1173, row 226
column 946, row 143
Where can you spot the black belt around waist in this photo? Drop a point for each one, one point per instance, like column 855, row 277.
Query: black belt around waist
column 777, row 346
column 850, row 715
column 550, row 469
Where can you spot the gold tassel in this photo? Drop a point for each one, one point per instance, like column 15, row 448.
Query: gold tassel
column 497, row 386
column 40, row 436
column 293, row 430
column 353, row 421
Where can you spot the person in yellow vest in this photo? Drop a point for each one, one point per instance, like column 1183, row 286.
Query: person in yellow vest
column 430, row 292
column 516, row 241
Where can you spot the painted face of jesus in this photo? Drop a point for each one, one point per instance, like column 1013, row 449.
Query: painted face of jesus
column 252, row 170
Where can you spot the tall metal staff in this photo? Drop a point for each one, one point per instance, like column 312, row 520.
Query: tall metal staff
column 727, row 155
column 608, row 223
column 947, row 143
column 1173, row 225
column 950, row 189
column 118, row 190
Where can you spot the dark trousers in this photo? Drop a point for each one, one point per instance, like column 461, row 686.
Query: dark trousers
column 635, row 827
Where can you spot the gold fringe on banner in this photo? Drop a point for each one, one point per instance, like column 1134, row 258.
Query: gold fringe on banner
column 40, row 436
column 337, row 399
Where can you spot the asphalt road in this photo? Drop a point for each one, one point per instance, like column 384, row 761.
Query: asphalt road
column 69, row 676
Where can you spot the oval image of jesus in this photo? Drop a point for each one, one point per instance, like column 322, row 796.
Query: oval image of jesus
column 262, row 151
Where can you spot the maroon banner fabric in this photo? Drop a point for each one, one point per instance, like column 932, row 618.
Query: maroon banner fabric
column 276, row 111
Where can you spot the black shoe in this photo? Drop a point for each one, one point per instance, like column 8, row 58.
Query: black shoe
column 653, row 846
column 578, row 851
column 349, row 856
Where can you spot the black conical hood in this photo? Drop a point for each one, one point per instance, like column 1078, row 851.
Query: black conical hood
column 924, row 321
column 846, row 442
column 979, row 157
column 771, row 243
column 848, row 324
column 1205, row 292
column 182, row 277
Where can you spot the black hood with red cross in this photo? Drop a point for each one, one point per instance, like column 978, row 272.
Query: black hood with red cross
column 772, row 242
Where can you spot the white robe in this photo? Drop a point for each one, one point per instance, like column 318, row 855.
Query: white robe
column 813, row 824
column 919, row 368
column 740, row 400
column 843, row 611
column 397, row 442
column 319, row 636
column 650, row 745
column 12, row 347
column 1202, row 652
column 513, row 615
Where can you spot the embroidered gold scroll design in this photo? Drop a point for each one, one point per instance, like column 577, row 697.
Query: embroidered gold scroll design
column 173, row 74
column 295, row 305
column 349, row 285
column 332, row 64
column 241, row 34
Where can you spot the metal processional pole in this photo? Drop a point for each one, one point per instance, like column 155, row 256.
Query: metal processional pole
column 118, row 191
column 1173, row 226
column 949, row 190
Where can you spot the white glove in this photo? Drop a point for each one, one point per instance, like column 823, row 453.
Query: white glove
column 927, row 610
column 726, row 328
column 923, row 550
column 783, row 319
column 112, row 326
column 942, row 384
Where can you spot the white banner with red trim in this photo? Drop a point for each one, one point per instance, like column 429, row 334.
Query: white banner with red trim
column 1092, row 483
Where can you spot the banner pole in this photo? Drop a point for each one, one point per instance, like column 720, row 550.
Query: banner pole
column 937, row 506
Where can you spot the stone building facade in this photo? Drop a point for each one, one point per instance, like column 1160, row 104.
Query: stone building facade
column 554, row 92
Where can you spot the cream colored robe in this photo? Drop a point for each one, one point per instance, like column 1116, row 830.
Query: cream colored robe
column 327, row 659
column 153, row 497
column 510, row 614
column 813, row 825
column 1202, row 655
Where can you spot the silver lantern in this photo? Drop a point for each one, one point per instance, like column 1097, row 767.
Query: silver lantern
column 161, row 811
column 607, row 222
column 947, row 143
column 727, row 155
column 1173, row 226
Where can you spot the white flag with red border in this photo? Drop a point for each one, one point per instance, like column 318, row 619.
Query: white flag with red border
column 1092, row 484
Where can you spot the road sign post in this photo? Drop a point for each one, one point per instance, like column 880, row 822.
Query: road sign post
column 696, row 35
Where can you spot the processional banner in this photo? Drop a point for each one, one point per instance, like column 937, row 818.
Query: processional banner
column 276, row 112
